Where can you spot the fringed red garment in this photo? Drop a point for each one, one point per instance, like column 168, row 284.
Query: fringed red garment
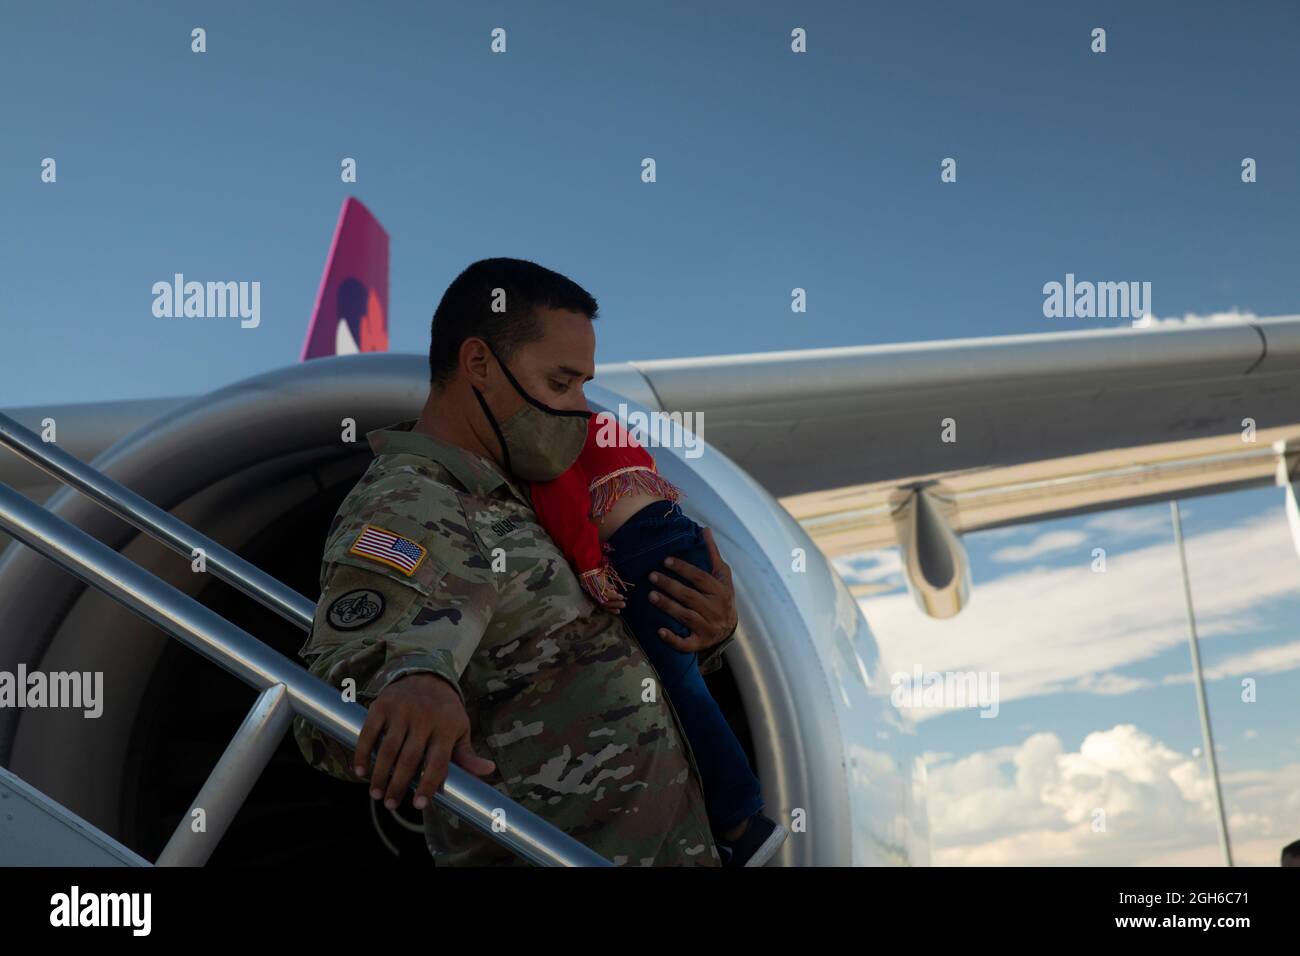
column 637, row 479
column 603, row 583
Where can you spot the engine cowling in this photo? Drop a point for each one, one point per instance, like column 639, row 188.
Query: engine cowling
column 261, row 466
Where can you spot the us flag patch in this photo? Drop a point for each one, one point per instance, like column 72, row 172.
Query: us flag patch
column 388, row 548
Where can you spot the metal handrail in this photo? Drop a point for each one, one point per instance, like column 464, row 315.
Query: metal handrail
column 157, row 523
column 255, row 663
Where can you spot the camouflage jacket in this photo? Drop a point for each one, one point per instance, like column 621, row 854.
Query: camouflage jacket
column 436, row 563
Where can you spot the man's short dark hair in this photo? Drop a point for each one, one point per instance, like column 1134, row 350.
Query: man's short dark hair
column 466, row 310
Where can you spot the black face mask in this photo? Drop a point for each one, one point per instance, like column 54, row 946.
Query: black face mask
column 538, row 442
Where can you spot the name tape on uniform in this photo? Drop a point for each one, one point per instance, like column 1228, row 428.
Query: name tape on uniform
column 383, row 546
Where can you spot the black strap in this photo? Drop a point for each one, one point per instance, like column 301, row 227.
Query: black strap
column 492, row 419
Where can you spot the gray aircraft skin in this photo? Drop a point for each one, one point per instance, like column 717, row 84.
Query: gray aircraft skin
column 806, row 454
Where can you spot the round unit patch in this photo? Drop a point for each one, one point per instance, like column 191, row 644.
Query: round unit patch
column 355, row 609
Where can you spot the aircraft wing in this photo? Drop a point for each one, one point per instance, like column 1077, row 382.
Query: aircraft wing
column 1005, row 429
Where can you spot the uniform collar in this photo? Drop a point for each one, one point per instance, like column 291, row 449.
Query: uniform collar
column 476, row 474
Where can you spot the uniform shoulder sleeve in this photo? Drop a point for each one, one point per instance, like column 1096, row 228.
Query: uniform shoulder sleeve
column 405, row 589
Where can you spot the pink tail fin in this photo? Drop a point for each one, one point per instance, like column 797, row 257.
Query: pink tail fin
column 351, row 313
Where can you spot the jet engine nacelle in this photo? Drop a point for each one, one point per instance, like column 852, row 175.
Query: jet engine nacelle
column 261, row 465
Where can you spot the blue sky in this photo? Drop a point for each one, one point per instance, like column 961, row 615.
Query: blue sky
column 1105, row 655
column 775, row 171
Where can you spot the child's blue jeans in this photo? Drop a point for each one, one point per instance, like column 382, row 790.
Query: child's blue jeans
column 731, row 791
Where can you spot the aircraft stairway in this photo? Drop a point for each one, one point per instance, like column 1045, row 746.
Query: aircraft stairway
column 36, row 830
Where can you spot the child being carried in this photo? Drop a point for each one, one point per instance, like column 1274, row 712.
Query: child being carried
column 616, row 518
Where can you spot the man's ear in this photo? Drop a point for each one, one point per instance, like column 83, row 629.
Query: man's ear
column 474, row 362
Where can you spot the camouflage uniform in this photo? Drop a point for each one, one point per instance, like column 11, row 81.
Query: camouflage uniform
column 552, row 684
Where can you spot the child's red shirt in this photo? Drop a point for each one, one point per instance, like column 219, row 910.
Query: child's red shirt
column 611, row 466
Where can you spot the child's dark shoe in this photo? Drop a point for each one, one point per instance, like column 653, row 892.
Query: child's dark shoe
column 758, row 844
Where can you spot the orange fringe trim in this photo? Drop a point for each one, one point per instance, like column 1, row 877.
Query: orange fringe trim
column 637, row 479
column 603, row 583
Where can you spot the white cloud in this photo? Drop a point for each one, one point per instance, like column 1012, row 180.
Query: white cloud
column 1110, row 684
column 1045, row 543
column 1133, row 523
column 1046, row 630
column 1037, row 804
column 1190, row 318
column 1265, row 660
column 871, row 566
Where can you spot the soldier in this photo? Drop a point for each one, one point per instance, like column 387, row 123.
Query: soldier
column 464, row 628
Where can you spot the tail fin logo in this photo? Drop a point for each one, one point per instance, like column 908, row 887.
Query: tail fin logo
column 351, row 313
column 362, row 325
